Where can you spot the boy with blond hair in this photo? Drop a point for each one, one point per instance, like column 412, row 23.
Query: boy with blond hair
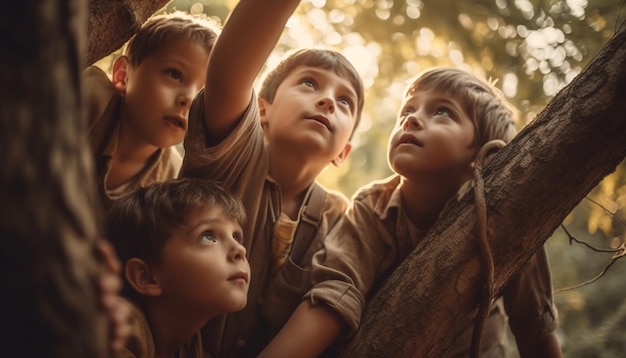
column 446, row 117
column 270, row 150
column 180, row 244
column 137, row 117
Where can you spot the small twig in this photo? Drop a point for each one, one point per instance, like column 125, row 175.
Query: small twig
column 618, row 253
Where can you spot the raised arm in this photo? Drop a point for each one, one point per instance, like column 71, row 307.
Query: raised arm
column 248, row 37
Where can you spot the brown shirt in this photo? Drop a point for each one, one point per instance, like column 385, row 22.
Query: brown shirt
column 241, row 164
column 376, row 235
column 140, row 342
column 103, row 104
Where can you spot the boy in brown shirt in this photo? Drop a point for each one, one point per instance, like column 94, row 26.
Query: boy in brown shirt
column 180, row 244
column 270, row 150
column 138, row 117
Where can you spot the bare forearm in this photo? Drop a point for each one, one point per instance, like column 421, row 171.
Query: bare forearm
column 309, row 331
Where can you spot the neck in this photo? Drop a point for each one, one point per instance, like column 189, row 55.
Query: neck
column 423, row 201
column 294, row 175
column 130, row 147
column 172, row 328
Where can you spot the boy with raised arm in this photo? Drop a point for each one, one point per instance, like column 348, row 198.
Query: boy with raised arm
column 179, row 242
column 270, row 150
column 446, row 117
column 138, row 117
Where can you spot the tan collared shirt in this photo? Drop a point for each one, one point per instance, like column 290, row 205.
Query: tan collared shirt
column 376, row 235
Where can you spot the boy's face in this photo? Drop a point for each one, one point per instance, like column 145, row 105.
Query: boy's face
column 204, row 269
column 432, row 138
column 314, row 111
column 159, row 91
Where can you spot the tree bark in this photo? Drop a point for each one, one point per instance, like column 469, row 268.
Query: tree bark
column 530, row 187
column 48, row 227
column 113, row 22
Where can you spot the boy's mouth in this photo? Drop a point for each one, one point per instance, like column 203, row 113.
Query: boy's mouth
column 177, row 121
column 407, row 138
column 239, row 276
column 321, row 119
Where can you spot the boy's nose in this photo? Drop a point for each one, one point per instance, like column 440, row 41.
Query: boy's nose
column 184, row 98
column 413, row 122
column 326, row 102
column 238, row 252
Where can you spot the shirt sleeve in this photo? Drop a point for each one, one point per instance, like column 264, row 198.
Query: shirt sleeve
column 528, row 298
column 354, row 257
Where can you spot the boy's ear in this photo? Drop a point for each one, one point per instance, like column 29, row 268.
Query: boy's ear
column 120, row 73
column 140, row 277
column 343, row 155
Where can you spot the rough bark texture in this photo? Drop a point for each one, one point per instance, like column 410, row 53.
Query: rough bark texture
column 113, row 22
column 531, row 186
column 49, row 301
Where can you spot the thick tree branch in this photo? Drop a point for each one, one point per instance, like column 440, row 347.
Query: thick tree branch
column 531, row 186
column 123, row 18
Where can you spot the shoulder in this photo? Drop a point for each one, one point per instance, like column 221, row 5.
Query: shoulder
column 379, row 191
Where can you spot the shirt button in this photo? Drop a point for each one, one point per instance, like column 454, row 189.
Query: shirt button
column 241, row 343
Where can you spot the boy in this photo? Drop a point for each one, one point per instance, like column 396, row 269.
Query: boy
column 270, row 152
column 446, row 117
column 137, row 118
column 183, row 263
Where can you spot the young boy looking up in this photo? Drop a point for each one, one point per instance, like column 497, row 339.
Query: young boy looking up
column 270, row 151
column 446, row 117
column 183, row 263
column 137, row 118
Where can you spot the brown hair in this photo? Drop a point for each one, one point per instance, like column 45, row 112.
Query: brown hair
column 493, row 116
column 318, row 58
column 160, row 29
column 140, row 223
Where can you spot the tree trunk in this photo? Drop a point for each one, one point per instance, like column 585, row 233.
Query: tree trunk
column 531, row 186
column 48, row 227
column 113, row 22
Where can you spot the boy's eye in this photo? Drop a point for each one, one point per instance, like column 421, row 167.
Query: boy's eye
column 345, row 101
column 208, row 236
column 442, row 111
column 308, row 82
column 174, row 73
column 406, row 112
column 238, row 237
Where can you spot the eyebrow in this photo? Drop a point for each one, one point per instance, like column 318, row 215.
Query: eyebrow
column 311, row 71
column 203, row 222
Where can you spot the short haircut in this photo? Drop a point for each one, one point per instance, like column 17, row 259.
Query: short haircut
column 493, row 116
column 161, row 29
column 141, row 222
column 317, row 58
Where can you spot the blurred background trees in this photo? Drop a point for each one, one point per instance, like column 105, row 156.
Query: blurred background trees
column 530, row 49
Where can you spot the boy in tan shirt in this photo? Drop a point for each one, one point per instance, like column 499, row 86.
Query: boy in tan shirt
column 270, row 150
column 138, row 117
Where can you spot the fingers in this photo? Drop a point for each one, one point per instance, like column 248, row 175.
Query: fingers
column 107, row 254
column 120, row 328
